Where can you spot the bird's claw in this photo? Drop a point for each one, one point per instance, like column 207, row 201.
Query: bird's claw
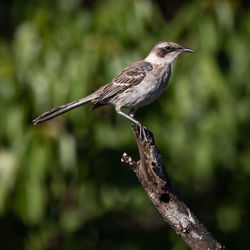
column 143, row 133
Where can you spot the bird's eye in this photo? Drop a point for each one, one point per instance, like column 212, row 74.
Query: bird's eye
column 168, row 47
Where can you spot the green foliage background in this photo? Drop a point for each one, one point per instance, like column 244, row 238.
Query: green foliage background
column 62, row 185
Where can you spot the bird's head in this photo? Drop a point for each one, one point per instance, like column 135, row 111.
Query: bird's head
column 166, row 52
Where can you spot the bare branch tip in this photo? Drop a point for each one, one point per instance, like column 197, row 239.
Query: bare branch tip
column 128, row 159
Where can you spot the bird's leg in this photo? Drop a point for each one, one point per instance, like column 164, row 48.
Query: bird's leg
column 132, row 112
column 130, row 116
column 118, row 110
column 142, row 128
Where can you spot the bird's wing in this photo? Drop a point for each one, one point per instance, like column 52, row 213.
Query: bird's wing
column 130, row 76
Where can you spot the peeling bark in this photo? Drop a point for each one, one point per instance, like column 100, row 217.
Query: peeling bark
column 153, row 177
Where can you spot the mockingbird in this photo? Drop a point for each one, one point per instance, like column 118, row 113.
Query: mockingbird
column 137, row 85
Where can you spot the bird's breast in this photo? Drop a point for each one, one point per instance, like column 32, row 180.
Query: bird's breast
column 147, row 91
column 159, row 80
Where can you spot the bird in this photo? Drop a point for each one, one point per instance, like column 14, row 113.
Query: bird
column 137, row 85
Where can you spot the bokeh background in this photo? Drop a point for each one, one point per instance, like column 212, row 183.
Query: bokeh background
column 62, row 185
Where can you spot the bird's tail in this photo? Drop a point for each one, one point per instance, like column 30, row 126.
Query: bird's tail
column 62, row 109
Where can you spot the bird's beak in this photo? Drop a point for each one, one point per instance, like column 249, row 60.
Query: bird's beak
column 187, row 50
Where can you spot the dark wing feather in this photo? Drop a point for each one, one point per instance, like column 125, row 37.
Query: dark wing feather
column 130, row 76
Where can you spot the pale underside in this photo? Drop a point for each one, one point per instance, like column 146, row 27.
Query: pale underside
column 137, row 85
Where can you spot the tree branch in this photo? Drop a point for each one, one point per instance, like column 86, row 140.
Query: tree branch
column 154, row 179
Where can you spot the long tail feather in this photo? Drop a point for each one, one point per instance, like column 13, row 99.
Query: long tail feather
column 62, row 109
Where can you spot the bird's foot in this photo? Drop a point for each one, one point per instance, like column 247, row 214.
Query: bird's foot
column 143, row 135
column 142, row 132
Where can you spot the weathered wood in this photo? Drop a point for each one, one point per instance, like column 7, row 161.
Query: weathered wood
column 154, row 179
